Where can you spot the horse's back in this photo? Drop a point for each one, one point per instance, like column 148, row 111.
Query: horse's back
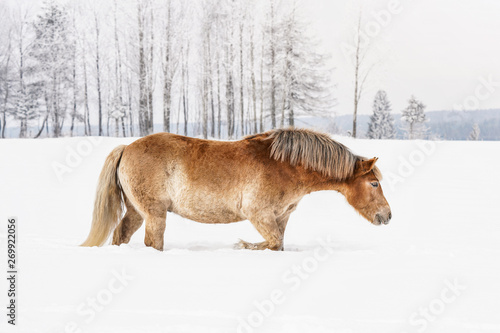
column 203, row 180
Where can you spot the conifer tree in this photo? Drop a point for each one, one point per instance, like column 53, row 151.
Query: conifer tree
column 381, row 124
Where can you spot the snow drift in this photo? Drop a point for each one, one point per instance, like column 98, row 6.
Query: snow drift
column 435, row 268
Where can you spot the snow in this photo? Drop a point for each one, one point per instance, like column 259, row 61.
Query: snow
column 434, row 268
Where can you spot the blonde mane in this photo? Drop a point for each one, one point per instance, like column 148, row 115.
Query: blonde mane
column 315, row 151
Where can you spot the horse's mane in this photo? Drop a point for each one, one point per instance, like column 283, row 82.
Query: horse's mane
column 315, row 151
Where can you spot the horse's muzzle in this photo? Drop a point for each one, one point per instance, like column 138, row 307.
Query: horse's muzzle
column 382, row 218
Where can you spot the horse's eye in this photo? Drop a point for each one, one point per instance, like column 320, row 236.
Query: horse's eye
column 374, row 184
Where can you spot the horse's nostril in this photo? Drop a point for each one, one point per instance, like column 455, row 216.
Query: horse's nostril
column 390, row 215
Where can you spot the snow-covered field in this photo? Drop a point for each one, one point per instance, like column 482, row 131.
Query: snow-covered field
column 434, row 268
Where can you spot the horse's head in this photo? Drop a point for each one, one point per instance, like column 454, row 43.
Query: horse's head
column 364, row 193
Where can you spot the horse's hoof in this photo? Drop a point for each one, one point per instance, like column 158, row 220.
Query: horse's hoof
column 240, row 245
column 244, row 245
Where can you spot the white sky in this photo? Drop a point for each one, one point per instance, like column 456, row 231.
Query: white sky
column 437, row 50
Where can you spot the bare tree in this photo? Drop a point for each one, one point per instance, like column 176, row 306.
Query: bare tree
column 6, row 49
column 252, row 76
column 144, row 121
column 272, row 55
column 170, row 62
column 218, row 71
column 98, row 71
column 73, row 76
column 205, row 76
column 151, row 71
column 119, row 107
column 230, row 103
column 242, row 14
column 185, row 83
column 86, row 113
column 361, row 70
column 261, row 116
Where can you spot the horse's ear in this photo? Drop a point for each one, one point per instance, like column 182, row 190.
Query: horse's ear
column 363, row 167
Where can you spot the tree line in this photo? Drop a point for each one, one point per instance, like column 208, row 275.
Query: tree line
column 215, row 68
column 413, row 118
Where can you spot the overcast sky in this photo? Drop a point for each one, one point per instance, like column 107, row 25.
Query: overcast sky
column 442, row 51
column 439, row 50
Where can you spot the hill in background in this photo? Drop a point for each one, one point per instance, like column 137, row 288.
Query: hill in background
column 445, row 125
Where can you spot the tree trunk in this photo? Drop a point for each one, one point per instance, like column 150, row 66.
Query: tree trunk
column 118, row 72
column 204, row 87
column 7, row 87
column 151, row 77
column 261, row 118
column 242, row 84
column 185, row 87
column 130, row 114
column 219, row 107
column 357, row 92
column 273, row 64
column 73, row 114
column 4, row 113
column 210, row 88
column 167, row 87
column 254, row 90
column 86, row 115
column 97, row 62
column 143, row 93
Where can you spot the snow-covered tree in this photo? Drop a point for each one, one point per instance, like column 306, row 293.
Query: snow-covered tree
column 118, row 111
column 146, row 49
column 53, row 49
column 6, row 77
column 381, row 124
column 414, row 117
column 270, row 57
column 474, row 135
column 171, row 58
column 243, row 66
column 26, row 108
column 299, row 74
column 307, row 76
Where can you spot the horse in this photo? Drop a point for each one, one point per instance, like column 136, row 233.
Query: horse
column 260, row 178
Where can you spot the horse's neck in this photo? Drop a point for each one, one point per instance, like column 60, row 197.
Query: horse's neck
column 314, row 182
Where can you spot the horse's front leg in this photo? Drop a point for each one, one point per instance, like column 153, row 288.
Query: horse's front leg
column 270, row 229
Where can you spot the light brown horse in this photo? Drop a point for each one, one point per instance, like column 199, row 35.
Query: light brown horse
column 261, row 178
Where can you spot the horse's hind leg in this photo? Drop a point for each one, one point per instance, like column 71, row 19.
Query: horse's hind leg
column 155, row 228
column 129, row 224
column 156, row 216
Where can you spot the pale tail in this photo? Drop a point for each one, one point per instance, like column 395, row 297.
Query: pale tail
column 108, row 201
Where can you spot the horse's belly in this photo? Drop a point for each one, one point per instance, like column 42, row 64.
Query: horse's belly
column 206, row 208
column 199, row 214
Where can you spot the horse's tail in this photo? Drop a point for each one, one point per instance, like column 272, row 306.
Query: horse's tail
column 108, row 201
